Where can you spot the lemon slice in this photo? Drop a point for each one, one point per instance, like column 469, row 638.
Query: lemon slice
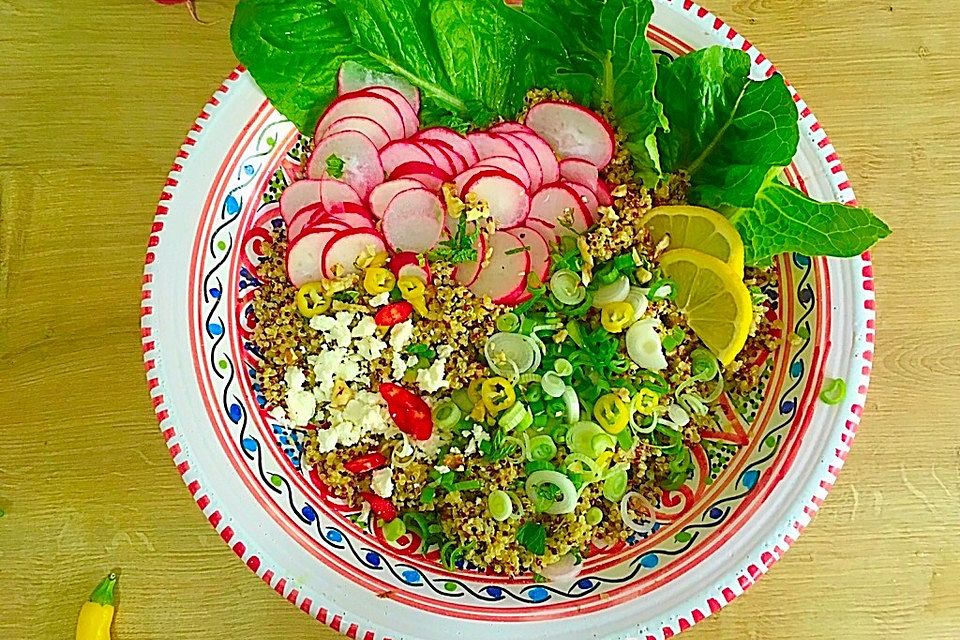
column 697, row 228
column 713, row 298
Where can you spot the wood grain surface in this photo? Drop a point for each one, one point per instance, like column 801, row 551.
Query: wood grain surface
column 95, row 98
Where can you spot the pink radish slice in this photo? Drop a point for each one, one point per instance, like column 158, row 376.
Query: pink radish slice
column 354, row 77
column 603, row 194
column 412, row 221
column 416, row 271
column 506, row 273
column 491, row 144
column 361, row 160
column 345, row 247
column 351, row 219
column 506, row 196
column 400, row 152
column 408, row 263
column 548, row 160
column 537, row 247
column 459, row 143
column 437, row 156
column 301, row 219
column 530, row 161
column 377, row 134
column 303, row 257
column 471, row 173
column 554, row 200
column 513, row 168
column 466, row 272
column 407, row 113
column 573, row 131
column 429, row 175
column 367, row 105
column 545, row 229
column 510, row 127
column 581, row 171
column 384, row 192
column 298, row 195
column 589, row 199
column 457, row 161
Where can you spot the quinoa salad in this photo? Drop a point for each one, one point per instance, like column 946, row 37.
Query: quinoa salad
column 502, row 325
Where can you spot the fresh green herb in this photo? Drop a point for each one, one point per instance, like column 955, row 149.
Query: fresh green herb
column 510, row 252
column 350, row 296
column 834, row 390
column 422, row 350
column 538, row 465
column 497, row 447
column 334, row 166
column 426, row 527
column 461, row 247
column 532, row 536
column 451, row 553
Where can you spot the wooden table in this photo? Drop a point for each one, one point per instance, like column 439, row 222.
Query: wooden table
column 94, row 101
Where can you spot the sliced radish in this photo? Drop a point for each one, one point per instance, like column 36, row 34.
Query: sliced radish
column 466, row 272
column 471, row 173
column 603, row 194
column 555, row 200
column 416, row 271
column 506, row 273
column 384, row 192
column 506, row 196
column 510, row 127
column 544, row 228
column 367, row 105
column 301, row 219
column 530, row 161
column 298, row 195
column 407, row 263
column 352, row 219
column 407, row 112
column 354, row 77
column 458, row 162
column 589, row 199
column 361, row 160
column 412, row 221
column 402, row 151
column 548, row 160
column 580, row 171
column 429, row 175
column 513, row 168
column 491, row 144
column 459, row 143
column 377, row 134
column 573, row 131
column 537, row 247
column 437, row 156
column 345, row 247
column 303, row 257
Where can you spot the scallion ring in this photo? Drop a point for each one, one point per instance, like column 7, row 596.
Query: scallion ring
column 572, row 405
column 568, row 492
column 553, row 385
column 566, row 287
column 446, row 414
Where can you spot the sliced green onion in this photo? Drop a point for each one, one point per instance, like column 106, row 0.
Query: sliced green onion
column 716, row 391
column 580, row 437
column 615, row 485
column 593, row 516
column 638, row 301
column 511, row 354
column 462, row 399
column 616, row 291
column 568, row 492
column 466, row 485
column 575, row 333
column 571, row 405
column 704, row 365
column 428, row 494
column 512, row 417
column 563, row 367
column 525, row 422
column 602, row 442
column 446, row 414
column 527, row 378
column 566, row 287
column 662, row 289
column 625, row 439
column 509, row 321
column 540, row 419
column 607, row 274
column 673, row 339
column 542, row 448
column 624, row 262
column 500, row 505
column 654, row 381
column 834, row 391
column 553, row 385
column 588, row 466
column 394, row 530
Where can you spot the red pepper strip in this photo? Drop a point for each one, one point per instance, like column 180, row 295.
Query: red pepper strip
column 382, row 507
column 368, row 462
column 408, row 410
column 393, row 314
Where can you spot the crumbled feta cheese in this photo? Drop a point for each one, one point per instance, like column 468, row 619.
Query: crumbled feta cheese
column 366, row 327
column 370, row 347
column 444, row 351
column 398, row 365
column 326, row 440
column 479, row 434
column 380, row 299
column 442, row 468
column 301, row 406
column 406, row 450
column 400, row 335
column 432, row 378
column 294, row 378
column 381, row 481
column 322, row 323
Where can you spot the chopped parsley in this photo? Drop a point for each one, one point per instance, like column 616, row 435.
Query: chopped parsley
column 459, row 248
column 532, row 536
column 335, row 166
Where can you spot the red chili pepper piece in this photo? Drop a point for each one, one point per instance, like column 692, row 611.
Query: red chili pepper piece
column 368, row 462
column 392, row 314
column 382, row 507
column 408, row 410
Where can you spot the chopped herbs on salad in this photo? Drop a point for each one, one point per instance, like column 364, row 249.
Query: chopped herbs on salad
column 525, row 263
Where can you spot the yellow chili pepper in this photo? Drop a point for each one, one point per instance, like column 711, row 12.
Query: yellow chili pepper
column 378, row 280
column 603, row 460
column 413, row 290
column 96, row 615
column 497, row 394
column 616, row 316
column 473, row 391
column 312, row 299
column 646, row 401
column 611, row 413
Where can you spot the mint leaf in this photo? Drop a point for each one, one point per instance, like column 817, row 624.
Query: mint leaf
column 785, row 220
column 334, row 166
column 726, row 131
column 532, row 536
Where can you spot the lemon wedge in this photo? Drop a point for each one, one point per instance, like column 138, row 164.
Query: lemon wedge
column 697, row 228
column 713, row 298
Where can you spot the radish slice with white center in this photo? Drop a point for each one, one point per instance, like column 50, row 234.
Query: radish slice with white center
column 573, row 131
column 416, row 271
column 303, row 257
column 354, row 77
column 581, row 171
column 537, row 247
column 545, row 229
column 407, row 263
column 505, row 276
column 466, row 272
column 545, row 155
column 400, row 152
column 437, row 157
column 589, row 199
column 377, row 134
column 461, row 180
column 506, row 196
column 603, row 194
column 529, row 159
column 384, row 192
column 458, row 162
column 412, row 221
column 344, row 248
column 332, row 194
column 513, row 168
column 301, row 219
column 352, row 219
column 361, row 160
column 407, row 113
column 459, row 143
column 367, row 105
column 429, row 175
column 559, row 200
column 490, row 144
column 510, row 127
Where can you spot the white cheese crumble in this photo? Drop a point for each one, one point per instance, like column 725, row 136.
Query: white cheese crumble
column 433, row 378
column 381, row 481
column 380, row 299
